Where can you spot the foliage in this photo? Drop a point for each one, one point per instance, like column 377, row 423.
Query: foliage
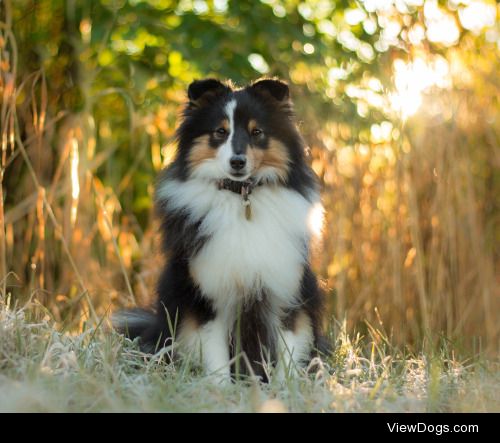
column 397, row 100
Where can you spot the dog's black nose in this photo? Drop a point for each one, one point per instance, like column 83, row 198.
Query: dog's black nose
column 238, row 162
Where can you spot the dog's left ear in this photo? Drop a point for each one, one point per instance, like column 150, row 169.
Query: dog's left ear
column 202, row 91
column 273, row 87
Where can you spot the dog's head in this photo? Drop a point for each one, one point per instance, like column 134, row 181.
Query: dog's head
column 239, row 133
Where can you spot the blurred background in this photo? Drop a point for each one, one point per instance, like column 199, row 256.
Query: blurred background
column 399, row 104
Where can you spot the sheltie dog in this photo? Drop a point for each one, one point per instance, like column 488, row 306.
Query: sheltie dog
column 236, row 208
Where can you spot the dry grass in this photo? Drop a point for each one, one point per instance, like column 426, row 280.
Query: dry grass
column 42, row 370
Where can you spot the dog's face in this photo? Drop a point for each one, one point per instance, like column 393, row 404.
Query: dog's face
column 238, row 134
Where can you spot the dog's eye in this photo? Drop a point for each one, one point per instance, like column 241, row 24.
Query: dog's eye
column 256, row 132
column 221, row 132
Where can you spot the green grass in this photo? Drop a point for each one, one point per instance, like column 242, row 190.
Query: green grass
column 44, row 370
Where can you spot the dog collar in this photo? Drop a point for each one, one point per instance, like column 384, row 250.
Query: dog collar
column 243, row 188
column 238, row 187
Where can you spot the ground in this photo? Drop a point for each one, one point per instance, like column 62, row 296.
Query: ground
column 44, row 370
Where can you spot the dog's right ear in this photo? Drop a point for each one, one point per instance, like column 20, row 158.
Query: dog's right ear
column 274, row 88
column 201, row 91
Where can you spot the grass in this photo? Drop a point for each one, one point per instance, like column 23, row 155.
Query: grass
column 43, row 370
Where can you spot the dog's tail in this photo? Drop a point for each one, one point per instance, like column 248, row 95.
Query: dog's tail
column 133, row 322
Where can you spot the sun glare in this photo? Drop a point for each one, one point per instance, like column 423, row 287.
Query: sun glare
column 478, row 15
column 418, row 76
column 412, row 79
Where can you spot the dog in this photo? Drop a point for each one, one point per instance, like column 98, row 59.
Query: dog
column 238, row 206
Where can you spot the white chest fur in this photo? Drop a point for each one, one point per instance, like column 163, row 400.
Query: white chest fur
column 244, row 257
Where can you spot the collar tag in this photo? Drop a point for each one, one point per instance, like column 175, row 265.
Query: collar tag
column 248, row 207
column 243, row 188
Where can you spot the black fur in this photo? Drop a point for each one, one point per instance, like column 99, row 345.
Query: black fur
column 275, row 88
column 199, row 88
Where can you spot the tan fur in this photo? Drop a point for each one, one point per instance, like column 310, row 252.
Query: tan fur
column 252, row 124
column 188, row 336
column 189, row 325
column 275, row 156
column 302, row 323
column 255, row 155
column 201, row 151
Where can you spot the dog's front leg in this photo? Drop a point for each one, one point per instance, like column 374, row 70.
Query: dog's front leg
column 214, row 340
column 208, row 344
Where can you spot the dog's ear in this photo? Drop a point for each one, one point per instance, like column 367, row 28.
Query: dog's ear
column 277, row 89
column 201, row 91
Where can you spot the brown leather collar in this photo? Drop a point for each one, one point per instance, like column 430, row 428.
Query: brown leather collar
column 243, row 188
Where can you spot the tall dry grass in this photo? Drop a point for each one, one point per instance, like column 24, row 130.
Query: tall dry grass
column 409, row 240
column 412, row 236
